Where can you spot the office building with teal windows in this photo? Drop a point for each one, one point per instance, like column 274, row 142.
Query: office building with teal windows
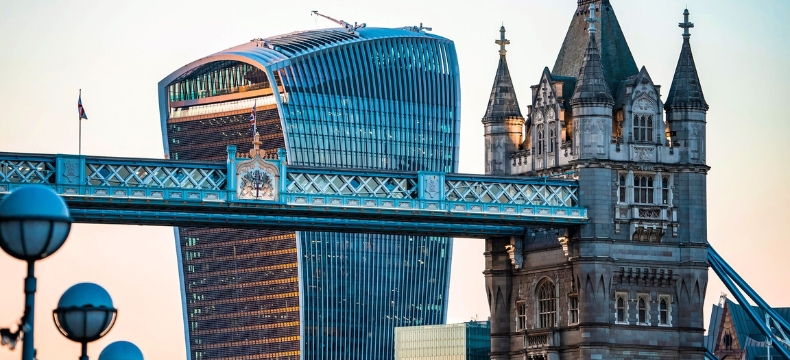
column 356, row 98
column 464, row 341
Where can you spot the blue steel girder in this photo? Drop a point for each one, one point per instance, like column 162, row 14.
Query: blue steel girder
column 773, row 326
column 262, row 191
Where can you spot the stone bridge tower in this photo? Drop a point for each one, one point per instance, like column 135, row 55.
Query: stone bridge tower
column 631, row 282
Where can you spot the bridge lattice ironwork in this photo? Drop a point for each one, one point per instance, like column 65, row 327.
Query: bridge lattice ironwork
column 168, row 192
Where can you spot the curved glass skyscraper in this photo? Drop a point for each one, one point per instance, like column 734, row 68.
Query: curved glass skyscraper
column 379, row 99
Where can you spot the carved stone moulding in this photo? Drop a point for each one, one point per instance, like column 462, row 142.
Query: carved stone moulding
column 649, row 232
column 257, row 179
column 645, row 276
column 643, row 153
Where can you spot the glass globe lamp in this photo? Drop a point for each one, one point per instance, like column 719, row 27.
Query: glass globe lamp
column 85, row 313
column 34, row 222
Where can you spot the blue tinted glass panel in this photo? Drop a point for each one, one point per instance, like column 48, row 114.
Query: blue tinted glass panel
column 387, row 104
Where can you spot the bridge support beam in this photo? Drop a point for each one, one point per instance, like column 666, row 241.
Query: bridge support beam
column 498, row 275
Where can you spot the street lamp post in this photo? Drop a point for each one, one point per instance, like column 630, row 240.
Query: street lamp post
column 85, row 313
column 34, row 223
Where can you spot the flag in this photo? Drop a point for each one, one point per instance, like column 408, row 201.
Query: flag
column 252, row 119
column 81, row 109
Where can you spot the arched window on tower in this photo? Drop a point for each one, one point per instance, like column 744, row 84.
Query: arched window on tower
column 541, row 139
column 552, row 136
column 641, row 310
column 547, row 303
column 621, row 308
column 663, row 312
column 643, row 128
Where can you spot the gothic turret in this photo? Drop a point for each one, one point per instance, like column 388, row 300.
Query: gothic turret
column 685, row 106
column 592, row 103
column 503, row 120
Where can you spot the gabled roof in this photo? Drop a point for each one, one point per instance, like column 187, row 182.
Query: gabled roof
column 618, row 63
column 713, row 327
column 503, row 102
column 622, row 95
column 686, row 91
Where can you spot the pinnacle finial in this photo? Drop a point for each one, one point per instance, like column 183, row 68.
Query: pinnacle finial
column 502, row 42
column 592, row 19
column 686, row 25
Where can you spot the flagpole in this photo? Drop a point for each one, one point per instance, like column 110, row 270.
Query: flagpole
column 79, row 118
column 255, row 119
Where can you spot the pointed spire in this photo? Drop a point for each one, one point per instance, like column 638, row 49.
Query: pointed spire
column 616, row 58
column 503, row 103
column 591, row 85
column 686, row 91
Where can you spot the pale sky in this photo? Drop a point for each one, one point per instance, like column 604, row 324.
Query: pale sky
column 117, row 52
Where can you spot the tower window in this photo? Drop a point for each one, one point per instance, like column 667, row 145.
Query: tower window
column 621, row 189
column 552, row 137
column 665, row 189
column 643, row 189
column 642, row 310
column 664, row 310
column 643, row 128
column 573, row 306
column 621, row 308
column 547, row 303
column 521, row 315
column 541, row 139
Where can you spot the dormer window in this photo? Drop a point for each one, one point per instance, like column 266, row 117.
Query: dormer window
column 552, row 137
column 541, row 139
column 643, row 128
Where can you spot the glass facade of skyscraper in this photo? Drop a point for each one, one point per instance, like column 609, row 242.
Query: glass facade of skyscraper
column 379, row 99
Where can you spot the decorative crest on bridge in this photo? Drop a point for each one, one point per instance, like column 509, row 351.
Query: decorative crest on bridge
column 257, row 178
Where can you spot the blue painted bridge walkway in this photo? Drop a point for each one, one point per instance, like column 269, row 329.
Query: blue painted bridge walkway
column 260, row 190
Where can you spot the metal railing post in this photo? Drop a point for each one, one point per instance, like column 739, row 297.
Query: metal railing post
column 282, row 161
column 230, row 179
